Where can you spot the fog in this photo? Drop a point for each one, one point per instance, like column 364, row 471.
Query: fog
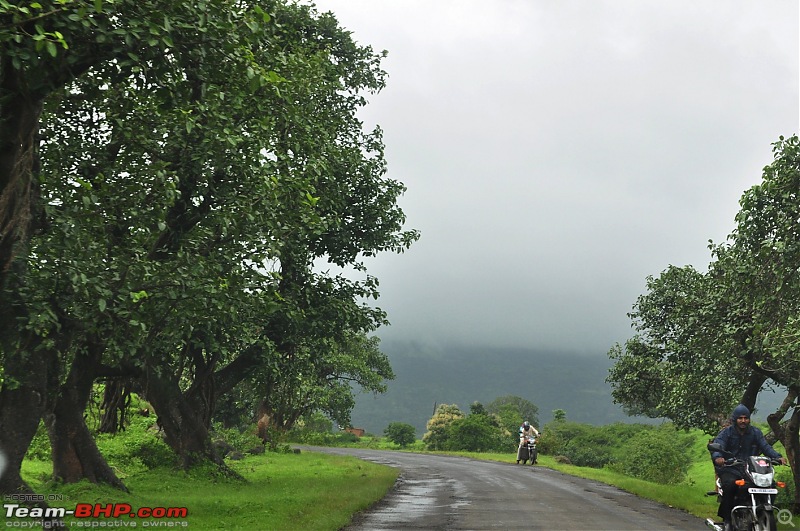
column 558, row 153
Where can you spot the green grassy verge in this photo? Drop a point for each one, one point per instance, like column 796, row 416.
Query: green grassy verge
column 282, row 491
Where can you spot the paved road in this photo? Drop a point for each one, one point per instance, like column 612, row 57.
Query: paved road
column 441, row 492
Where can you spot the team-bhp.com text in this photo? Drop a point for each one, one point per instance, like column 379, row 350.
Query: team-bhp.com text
column 90, row 514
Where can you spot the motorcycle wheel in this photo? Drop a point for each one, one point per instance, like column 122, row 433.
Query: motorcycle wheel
column 765, row 521
column 743, row 522
column 534, row 455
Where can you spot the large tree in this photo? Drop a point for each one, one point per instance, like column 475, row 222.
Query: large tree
column 709, row 340
column 186, row 195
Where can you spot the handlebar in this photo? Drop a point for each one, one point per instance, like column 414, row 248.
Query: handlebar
column 732, row 461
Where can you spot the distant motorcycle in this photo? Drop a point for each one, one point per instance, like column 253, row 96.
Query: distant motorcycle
column 527, row 450
column 756, row 492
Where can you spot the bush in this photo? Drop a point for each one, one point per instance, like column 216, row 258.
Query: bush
column 436, row 438
column 470, row 434
column 479, row 433
column 241, row 440
column 657, row 455
column 785, row 498
column 580, row 453
column 556, row 435
column 137, row 448
column 400, row 433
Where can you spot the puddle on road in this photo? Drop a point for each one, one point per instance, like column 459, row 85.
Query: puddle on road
column 414, row 504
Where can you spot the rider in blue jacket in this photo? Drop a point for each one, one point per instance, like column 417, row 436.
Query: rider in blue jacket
column 742, row 440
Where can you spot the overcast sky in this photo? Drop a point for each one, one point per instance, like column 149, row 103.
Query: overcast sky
column 558, row 152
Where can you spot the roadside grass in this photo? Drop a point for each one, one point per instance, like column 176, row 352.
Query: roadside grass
column 282, row 491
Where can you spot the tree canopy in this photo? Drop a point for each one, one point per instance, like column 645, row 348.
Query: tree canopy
column 706, row 341
column 170, row 174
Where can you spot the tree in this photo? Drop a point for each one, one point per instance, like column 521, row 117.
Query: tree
column 436, row 438
column 169, row 196
column 46, row 45
column 514, row 410
column 718, row 338
column 474, row 433
column 400, row 433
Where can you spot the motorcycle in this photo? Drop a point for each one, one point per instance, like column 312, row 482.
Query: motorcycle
column 527, row 450
column 753, row 508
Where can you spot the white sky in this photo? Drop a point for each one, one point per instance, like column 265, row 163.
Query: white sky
column 557, row 152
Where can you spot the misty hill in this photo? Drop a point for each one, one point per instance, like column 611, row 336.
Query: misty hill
column 462, row 375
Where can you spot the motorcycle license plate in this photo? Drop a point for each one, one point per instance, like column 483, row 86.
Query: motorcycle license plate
column 762, row 491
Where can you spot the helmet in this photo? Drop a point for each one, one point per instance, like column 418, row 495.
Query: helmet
column 740, row 411
column 526, row 424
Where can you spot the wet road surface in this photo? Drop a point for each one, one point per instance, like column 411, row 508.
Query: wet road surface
column 443, row 492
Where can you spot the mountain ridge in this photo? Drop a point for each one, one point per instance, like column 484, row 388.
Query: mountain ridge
column 427, row 376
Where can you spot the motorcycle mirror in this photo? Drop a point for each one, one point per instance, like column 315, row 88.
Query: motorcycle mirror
column 714, row 447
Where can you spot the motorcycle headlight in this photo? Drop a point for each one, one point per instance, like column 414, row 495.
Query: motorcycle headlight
column 762, row 480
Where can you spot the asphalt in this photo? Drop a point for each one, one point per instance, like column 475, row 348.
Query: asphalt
column 456, row 493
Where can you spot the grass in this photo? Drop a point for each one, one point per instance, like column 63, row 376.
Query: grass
column 283, row 491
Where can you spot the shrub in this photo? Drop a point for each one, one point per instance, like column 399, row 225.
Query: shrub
column 400, row 433
column 241, row 440
column 785, row 498
column 136, row 448
column 556, row 435
column 438, row 425
column 470, row 434
column 657, row 455
column 580, row 453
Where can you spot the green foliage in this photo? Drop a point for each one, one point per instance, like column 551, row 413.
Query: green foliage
column 657, row 455
column 241, row 440
column 556, row 435
column 513, row 411
column 706, row 341
column 39, row 448
column 559, row 415
column 785, row 498
column 196, row 160
column 139, row 447
column 436, row 438
column 400, row 433
column 476, row 433
column 318, row 422
column 645, row 451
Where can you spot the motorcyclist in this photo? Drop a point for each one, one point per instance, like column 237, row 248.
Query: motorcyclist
column 526, row 431
column 742, row 440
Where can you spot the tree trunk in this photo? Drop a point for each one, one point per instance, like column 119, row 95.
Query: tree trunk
column 75, row 453
column 116, row 399
column 19, row 117
column 23, row 402
column 788, row 434
column 186, row 431
column 754, row 385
